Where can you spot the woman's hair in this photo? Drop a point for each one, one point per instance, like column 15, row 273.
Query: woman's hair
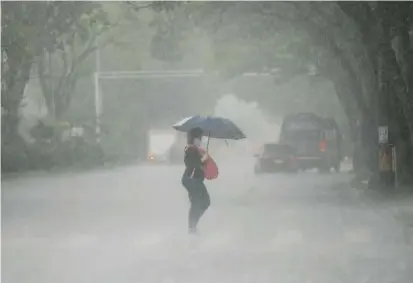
column 193, row 134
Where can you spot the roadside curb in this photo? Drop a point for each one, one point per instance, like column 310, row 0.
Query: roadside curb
column 65, row 171
column 398, row 202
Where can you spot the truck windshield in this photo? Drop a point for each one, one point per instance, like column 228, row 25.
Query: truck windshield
column 303, row 134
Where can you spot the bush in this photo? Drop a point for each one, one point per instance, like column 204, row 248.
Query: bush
column 13, row 157
column 78, row 153
column 41, row 155
column 46, row 154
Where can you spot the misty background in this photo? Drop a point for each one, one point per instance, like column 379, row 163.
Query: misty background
column 134, row 49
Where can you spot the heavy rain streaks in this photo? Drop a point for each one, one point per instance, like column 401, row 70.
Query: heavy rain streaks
column 319, row 191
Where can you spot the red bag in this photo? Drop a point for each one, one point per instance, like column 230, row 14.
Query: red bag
column 211, row 171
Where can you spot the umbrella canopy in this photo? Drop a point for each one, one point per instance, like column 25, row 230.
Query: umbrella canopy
column 214, row 127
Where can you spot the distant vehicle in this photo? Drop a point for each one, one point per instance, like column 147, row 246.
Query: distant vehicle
column 275, row 158
column 159, row 145
column 176, row 153
column 316, row 141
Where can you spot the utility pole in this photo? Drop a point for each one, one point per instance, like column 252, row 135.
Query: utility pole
column 98, row 108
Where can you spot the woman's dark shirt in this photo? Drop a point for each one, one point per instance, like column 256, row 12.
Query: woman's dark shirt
column 193, row 163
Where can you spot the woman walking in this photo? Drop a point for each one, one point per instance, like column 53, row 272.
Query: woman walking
column 193, row 179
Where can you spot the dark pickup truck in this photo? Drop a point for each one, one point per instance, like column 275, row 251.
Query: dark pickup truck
column 275, row 158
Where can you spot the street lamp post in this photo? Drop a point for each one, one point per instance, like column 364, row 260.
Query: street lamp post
column 97, row 93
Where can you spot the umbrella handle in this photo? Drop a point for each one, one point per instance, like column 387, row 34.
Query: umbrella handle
column 208, row 142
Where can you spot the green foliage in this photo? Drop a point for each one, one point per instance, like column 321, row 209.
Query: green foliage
column 29, row 29
column 14, row 156
column 43, row 25
column 170, row 31
column 337, row 42
column 166, row 45
column 59, row 70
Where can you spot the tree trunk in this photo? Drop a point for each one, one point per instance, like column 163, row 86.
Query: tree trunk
column 404, row 56
column 15, row 80
column 394, row 108
column 64, row 95
column 13, row 157
column 404, row 50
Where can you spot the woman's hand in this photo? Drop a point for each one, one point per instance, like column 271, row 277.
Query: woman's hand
column 204, row 157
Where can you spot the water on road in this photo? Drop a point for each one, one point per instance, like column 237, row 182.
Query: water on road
column 129, row 225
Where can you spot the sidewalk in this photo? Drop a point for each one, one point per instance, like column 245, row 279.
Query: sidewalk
column 398, row 203
column 402, row 209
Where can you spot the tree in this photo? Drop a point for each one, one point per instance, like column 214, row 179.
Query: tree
column 384, row 30
column 253, row 37
column 350, row 43
column 59, row 70
column 28, row 29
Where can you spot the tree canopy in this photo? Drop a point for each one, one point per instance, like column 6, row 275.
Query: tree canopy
column 363, row 48
column 361, row 51
column 31, row 28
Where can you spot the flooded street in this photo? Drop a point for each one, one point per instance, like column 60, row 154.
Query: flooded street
column 129, row 225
